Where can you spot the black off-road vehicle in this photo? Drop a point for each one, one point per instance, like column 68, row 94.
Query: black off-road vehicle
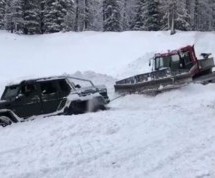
column 50, row 96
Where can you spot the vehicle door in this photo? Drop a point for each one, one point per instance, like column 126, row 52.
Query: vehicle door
column 50, row 96
column 27, row 103
column 64, row 88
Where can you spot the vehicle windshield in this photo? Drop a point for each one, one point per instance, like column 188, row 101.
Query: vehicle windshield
column 10, row 92
column 79, row 83
column 167, row 62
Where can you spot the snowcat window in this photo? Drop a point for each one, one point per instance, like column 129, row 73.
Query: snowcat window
column 175, row 58
column 162, row 62
column 186, row 58
column 10, row 92
column 175, row 62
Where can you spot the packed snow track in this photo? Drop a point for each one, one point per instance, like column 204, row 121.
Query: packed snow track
column 140, row 136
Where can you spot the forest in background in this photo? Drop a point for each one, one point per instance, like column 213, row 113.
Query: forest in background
column 48, row 16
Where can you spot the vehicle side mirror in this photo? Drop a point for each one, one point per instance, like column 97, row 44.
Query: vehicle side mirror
column 150, row 63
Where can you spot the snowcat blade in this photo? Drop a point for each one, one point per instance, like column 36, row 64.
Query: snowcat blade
column 153, row 82
column 205, row 79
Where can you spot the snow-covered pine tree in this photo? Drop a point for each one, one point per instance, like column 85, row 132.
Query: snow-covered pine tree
column 50, row 20
column 197, row 17
column 175, row 15
column 124, row 14
column 94, row 15
column 79, row 15
column 32, row 17
column 85, row 14
column 69, row 20
column 8, row 18
column 182, row 17
column 18, row 15
column 202, row 12
column 190, row 11
column 127, row 8
column 2, row 14
column 111, row 16
column 41, row 15
column 205, row 15
column 152, row 22
column 54, row 15
column 140, row 16
column 213, row 15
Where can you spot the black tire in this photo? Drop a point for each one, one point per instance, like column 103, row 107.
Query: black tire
column 96, row 104
column 76, row 107
column 5, row 121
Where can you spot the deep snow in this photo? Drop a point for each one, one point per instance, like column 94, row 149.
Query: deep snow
column 168, row 135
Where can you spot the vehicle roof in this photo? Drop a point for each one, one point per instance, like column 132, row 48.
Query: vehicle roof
column 51, row 78
column 173, row 52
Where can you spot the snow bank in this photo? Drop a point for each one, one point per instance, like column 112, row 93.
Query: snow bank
column 169, row 135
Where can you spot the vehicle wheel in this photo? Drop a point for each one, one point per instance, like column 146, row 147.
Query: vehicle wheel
column 95, row 105
column 76, row 107
column 91, row 105
column 102, row 107
column 5, row 121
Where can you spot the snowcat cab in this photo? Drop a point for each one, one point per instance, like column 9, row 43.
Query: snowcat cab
column 183, row 59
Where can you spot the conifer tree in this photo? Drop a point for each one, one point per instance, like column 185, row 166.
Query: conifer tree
column 54, row 14
column 69, row 19
column 17, row 10
column 8, row 18
column 111, row 16
column 175, row 15
column 140, row 17
column 2, row 14
column 152, row 22
column 31, row 10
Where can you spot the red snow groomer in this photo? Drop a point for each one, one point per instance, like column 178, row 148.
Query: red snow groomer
column 170, row 70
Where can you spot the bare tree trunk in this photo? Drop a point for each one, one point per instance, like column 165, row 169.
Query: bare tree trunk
column 86, row 15
column 173, row 8
column 172, row 26
column 125, row 15
column 77, row 16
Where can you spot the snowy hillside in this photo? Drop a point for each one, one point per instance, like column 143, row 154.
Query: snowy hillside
column 167, row 136
column 109, row 53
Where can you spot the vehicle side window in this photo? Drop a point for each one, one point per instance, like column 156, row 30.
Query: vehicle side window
column 48, row 88
column 28, row 89
column 175, row 59
column 64, row 86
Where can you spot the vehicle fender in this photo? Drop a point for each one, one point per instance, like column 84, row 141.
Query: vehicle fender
column 9, row 113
